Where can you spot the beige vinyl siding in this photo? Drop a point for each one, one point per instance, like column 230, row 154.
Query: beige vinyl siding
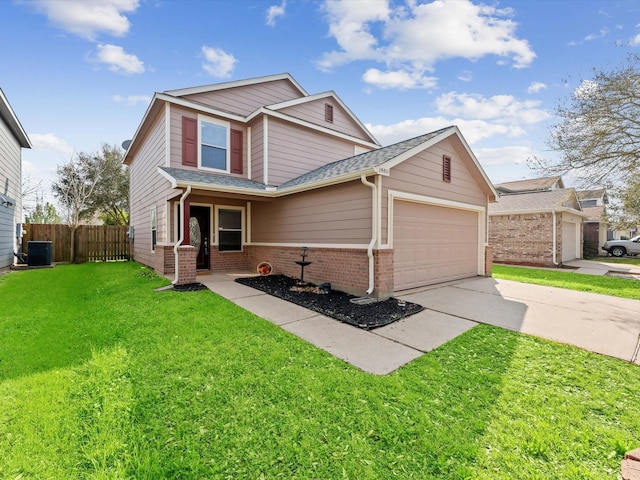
column 246, row 99
column 294, row 150
column 175, row 137
column 149, row 188
column 257, row 145
column 11, row 186
column 314, row 112
column 340, row 214
column 422, row 175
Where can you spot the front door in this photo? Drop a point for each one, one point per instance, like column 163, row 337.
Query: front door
column 201, row 221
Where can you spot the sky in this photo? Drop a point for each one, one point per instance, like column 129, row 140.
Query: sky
column 80, row 73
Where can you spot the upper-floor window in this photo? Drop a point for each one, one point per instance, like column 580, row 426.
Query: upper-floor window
column 211, row 144
column 214, row 144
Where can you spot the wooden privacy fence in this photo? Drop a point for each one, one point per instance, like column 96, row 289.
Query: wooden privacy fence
column 93, row 243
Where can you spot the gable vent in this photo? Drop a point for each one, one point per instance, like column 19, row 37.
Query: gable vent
column 328, row 112
column 446, row 169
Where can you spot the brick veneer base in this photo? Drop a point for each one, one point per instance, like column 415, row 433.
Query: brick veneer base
column 346, row 269
column 186, row 265
column 488, row 260
column 631, row 465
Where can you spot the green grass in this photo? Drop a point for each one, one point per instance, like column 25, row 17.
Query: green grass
column 623, row 260
column 613, row 286
column 100, row 377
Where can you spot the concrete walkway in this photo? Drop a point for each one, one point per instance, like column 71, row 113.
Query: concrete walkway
column 602, row 324
column 601, row 267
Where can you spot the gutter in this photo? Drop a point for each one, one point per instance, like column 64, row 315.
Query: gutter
column 374, row 231
column 181, row 239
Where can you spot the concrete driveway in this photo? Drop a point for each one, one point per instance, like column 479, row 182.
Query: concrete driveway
column 599, row 323
column 602, row 324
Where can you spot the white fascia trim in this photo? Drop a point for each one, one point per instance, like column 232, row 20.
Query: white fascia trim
column 237, row 83
column 249, row 157
column 439, row 202
column 330, row 94
column 173, row 181
column 200, row 107
column 7, row 113
column 577, row 213
column 349, row 246
column 142, row 122
column 432, row 141
column 303, row 123
column 167, row 135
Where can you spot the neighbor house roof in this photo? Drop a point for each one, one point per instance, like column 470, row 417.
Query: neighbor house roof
column 237, row 83
column 11, row 120
column 594, row 213
column 562, row 199
column 531, row 185
column 375, row 162
column 592, row 194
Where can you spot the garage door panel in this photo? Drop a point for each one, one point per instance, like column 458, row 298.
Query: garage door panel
column 433, row 244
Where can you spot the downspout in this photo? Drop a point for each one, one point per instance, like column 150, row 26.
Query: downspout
column 374, row 231
column 555, row 242
column 181, row 239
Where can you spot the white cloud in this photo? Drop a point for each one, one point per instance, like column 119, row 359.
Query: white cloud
column 87, row 19
column 218, row 63
column 118, row 60
column 465, row 76
column 635, row 41
column 274, row 12
column 500, row 108
column 536, row 87
column 399, row 79
column 414, row 37
column 132, row 100
column 602, row 33
column 50, row 142
column 586, row 89
column 473, row 130
column 511, row 155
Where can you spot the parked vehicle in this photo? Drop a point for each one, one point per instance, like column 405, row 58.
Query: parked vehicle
column 620, row 248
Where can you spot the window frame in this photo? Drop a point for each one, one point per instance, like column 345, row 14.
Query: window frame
column 154, row 227
column 243, row 230
column 220, row 123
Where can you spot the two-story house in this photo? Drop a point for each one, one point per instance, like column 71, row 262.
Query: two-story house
column 250, row 171
column 536, row 222
column 13, row 139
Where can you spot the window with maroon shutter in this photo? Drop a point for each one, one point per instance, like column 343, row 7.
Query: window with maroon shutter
column 328, row 112
column 446, row 169
column 189, row 142
column 236, row 151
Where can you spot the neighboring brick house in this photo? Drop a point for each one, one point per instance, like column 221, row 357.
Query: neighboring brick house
column 234, row 174
column 595, row 228
column 536, row 222
column 13, row 139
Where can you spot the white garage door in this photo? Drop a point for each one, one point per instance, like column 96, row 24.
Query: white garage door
column 569, row 241
column 433, row 244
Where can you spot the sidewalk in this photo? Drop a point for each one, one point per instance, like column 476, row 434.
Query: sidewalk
column 602, row 324
column 601, row 267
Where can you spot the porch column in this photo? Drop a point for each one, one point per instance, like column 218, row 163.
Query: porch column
column 185, row 222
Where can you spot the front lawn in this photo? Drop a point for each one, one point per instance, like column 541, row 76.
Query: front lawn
column 100, row 377
column 614, row 286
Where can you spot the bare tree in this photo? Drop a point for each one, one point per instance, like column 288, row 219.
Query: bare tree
column 599, row 132
column 74, row 188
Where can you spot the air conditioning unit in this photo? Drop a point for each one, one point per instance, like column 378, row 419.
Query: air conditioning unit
column 38, row 253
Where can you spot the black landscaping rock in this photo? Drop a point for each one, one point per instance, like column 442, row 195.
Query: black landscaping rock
column 334, row 304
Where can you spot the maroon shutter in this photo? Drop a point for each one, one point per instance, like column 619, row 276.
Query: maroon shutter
column 236, row 151
column 189, row 142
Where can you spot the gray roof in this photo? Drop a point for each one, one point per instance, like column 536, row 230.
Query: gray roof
column 352, row 165
column 202, row 178
column 361, row 162
column 533, row 184
column 591, row 194
column 534, row 201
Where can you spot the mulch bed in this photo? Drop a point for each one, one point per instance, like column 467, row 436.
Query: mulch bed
column 334, row 304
